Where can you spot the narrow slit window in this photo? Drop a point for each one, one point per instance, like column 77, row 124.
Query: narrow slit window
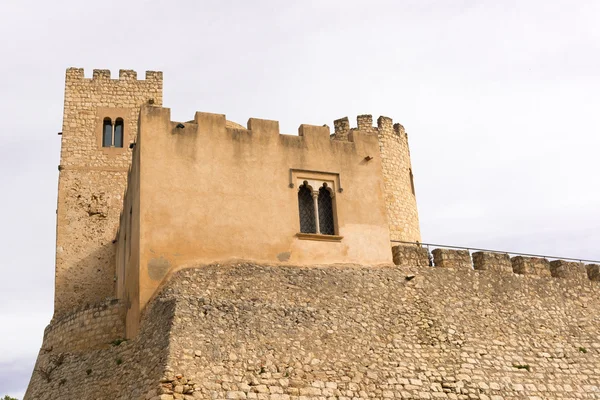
column 107, row 133
column 307, row 209
column 118, row 133
column 326, row 223
column 412, row 182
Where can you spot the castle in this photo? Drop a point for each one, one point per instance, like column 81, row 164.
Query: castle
column 204, row 259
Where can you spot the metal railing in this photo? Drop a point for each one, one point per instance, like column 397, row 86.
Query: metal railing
column 469, row 249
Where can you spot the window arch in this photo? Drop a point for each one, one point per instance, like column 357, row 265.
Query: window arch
column 107, row 133
column 326, row 223
column 306, row 209
column 118, row 137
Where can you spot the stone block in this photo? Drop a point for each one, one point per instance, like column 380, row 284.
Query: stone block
column 593, row 272
column 530, row 266
column 568, row 270
column 446, row 258
column 410, row 256
column 497, row 262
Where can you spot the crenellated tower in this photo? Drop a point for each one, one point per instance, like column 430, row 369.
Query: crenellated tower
column 400, row 198
column 100, row 121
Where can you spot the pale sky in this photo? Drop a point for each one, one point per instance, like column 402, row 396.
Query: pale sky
column 501, row 101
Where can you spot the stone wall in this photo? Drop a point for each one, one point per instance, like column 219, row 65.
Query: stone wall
column 593, row 271
column 120, row 371
column 498, row 262
column 411, row 256
column 92, row 181
column 244, row 331
column 446, row 258
column 531, row 266
column 87, row 329
column 359, row 333
column 568, row 270
column 400, row 197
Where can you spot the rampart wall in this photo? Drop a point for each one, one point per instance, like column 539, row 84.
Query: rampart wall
column 247, row 331
column 92, row 181
column 90, row 328
column 117, row 371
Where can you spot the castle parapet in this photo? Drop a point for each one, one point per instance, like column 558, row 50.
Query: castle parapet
column 488, row 261
column 445, row 258
column 410, row 255
column 530, row 266
column 568, row 270
column 593, row 272
column 105, row 75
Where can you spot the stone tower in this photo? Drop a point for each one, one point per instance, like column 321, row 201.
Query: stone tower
column 400, row 198
column 93, row 175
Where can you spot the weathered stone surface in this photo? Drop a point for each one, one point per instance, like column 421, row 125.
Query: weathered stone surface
column 446, row 258
column 410, row 256
column 569, row 270
column 87, row 329
column 244, row 331
column 593, row 271
column 497, row 262
column 531, row 266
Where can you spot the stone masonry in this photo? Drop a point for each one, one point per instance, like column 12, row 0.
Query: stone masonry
column 397, row 172
column 446, row 258
column 531, row 266
column 244, row 331
column 410, row 256
column 92, row 181
column 483, row 261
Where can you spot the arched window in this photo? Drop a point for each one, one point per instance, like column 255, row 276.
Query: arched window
column 118, row 133
column 107, row 133
column 307, row 209
column 326, row 224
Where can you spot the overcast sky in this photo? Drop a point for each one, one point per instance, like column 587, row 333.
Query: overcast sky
column 500, row 100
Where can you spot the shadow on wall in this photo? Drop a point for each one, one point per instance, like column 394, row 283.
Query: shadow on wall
column 91, row 280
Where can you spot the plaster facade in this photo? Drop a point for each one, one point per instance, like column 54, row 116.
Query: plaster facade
column 201, row 191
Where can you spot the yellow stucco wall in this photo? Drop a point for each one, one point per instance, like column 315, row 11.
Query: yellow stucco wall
column 210, row 193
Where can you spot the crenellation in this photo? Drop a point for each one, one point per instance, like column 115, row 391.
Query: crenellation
column 447, row 258
column 263, row 126
column 400, row 131
column 593, row 272
column 101, row 74
column 154, row 76
column 364, row 122
column 385, row 123
column 127, row 75
column 496, row 262
column 314, row 133
column 531, row 266
column 567, row 270
column 341, row 125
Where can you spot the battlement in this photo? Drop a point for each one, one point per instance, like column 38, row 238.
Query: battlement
column 365, row 123
column 217, row 124
column 74, row 74
column 502, row 263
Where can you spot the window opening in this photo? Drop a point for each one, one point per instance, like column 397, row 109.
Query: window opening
column 326, row 224
column 306, row 209
column 412, row 182
column 118, row 133
column 107, row 133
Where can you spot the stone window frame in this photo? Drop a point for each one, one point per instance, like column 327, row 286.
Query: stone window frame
column 315, row 180
column 113, row 114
